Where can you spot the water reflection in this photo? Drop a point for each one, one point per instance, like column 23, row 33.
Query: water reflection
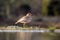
column 29, row 36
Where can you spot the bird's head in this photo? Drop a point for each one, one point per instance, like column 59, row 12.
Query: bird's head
column 29, row 14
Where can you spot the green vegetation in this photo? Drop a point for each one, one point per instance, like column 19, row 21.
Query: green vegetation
column 52, row 28
column 44, row 7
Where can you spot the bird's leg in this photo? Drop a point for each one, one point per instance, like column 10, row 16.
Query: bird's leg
column 24, row 25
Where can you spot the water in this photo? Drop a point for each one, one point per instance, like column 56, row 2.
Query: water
column 29, row 36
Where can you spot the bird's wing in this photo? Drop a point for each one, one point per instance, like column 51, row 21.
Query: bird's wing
column 20, row 19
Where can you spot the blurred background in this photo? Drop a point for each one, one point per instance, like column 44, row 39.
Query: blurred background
column 45, row 12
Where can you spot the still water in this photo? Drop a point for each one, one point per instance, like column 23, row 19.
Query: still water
column 29, row 36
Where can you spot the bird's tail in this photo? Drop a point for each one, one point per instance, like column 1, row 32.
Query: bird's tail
column 16, row 22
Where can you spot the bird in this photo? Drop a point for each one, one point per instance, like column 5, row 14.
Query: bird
column 25, row 19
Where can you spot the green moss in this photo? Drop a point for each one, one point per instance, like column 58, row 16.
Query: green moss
column 52, row 28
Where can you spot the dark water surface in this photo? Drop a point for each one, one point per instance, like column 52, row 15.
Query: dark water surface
column 29, row 36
